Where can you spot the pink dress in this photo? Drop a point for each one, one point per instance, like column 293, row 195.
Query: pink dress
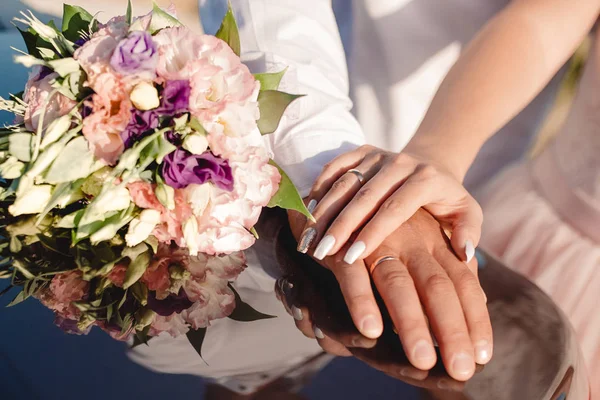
column 542, row 217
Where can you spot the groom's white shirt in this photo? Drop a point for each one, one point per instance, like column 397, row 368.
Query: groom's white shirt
column 275, row 34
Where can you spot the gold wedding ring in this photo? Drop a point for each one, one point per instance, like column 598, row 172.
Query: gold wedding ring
column 380, row 261
column 359, row 175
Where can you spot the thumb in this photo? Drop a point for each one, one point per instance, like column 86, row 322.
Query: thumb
column 466, row 230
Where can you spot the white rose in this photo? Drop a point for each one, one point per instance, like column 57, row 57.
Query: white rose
column 141, row 227
column 195, row 143
column 144, row 96
column 31, row 201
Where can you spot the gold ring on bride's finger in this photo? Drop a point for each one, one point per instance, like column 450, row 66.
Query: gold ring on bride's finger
column 380, row 261
column 359, row 175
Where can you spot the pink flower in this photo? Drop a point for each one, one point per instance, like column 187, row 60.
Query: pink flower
column 64, row 289
column 94, row 56
column 157, row 275
column 69, row 286
column 226, row 267
column 170, row 228
column 117, row 275
column 39, row 94
column 174, row 325
column 111, row 113
column 212, row 298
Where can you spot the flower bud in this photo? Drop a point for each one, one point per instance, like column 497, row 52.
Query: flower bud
column 195, row 143
column 31, row 201
column 141, row 227
column 144, row 96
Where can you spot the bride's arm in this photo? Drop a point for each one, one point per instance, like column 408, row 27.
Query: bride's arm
column 302, row 35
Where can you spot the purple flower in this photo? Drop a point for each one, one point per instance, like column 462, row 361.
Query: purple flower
column 174, row 138
column 135, row 54
column 172, row 304
column 182, row 168
column 70, row 326
column 141, row 123
column 175, row 98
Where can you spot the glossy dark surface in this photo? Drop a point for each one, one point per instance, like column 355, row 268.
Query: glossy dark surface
column 536, row 356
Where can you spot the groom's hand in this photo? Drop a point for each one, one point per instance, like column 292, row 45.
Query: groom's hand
column 422, row 281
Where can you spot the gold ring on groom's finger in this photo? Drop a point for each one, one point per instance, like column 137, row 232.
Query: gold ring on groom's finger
column 380, row 261
column 359, row 175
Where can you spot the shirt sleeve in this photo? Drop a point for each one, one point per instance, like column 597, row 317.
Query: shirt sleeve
column 302, row 36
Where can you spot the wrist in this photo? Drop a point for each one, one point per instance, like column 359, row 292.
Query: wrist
column 454, row 156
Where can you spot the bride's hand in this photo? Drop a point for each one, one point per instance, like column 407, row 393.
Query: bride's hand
column 384, row 190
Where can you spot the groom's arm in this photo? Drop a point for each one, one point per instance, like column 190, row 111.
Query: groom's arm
column 303, row 36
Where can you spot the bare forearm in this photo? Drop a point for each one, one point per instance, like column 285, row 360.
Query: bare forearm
column 500, row 72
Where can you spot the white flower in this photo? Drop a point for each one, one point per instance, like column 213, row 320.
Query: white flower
column 31, row 201
column 11, row 168
column 190, row 234
column 141, row 227
column 195, row 143
column 144, row 96
column 198, row 196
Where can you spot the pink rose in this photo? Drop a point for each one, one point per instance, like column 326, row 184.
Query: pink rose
column 111, row 113
column 174, row 325
column 39, row 94
column 170, row 228
column 157, row 276
column 212, row 298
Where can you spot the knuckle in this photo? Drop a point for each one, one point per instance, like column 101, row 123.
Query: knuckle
column 393, row 205
column 455, row 335
column 411, row 325
column 395, row 279
column 466, row 282
column 426, row 172
column 365, row 196
column 438, row 285
column 482, row 326
column 403, row 159
column 343, row 184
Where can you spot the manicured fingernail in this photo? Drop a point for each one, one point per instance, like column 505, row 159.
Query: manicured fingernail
column 370, row 327
column 297, row 313
column 306, row 239
column 318, row 333
column 355, row 251
column 424, row 352
column 463, row 365
column 483, row 352
column 311, row 206
column 395, row 330
column 469, row 250
column 324, row 247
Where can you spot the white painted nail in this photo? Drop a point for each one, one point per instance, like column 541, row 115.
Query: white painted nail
column 355, row 251
column 319, row 333
column 469, row 250
column 311, row 206
column 324, row 247
column 297, row 313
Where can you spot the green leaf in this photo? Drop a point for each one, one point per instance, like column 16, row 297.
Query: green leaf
column 75, row 161
column 243, row 312
column 272, row 105
column 196, row 338
column 152, row 241
column 161, row 19
column 287, row 197
column 20, row 146
column 228, row 32
column 136, row 269
column 75, row 19
column 141, row 337
column 22, row 296
column 254, row 233
column 64, row 66
column 128, row 16
column 270, row 81
column 31, row 42
column 60, row 192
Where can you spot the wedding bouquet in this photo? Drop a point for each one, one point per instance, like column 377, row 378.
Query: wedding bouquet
column 135, row 172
